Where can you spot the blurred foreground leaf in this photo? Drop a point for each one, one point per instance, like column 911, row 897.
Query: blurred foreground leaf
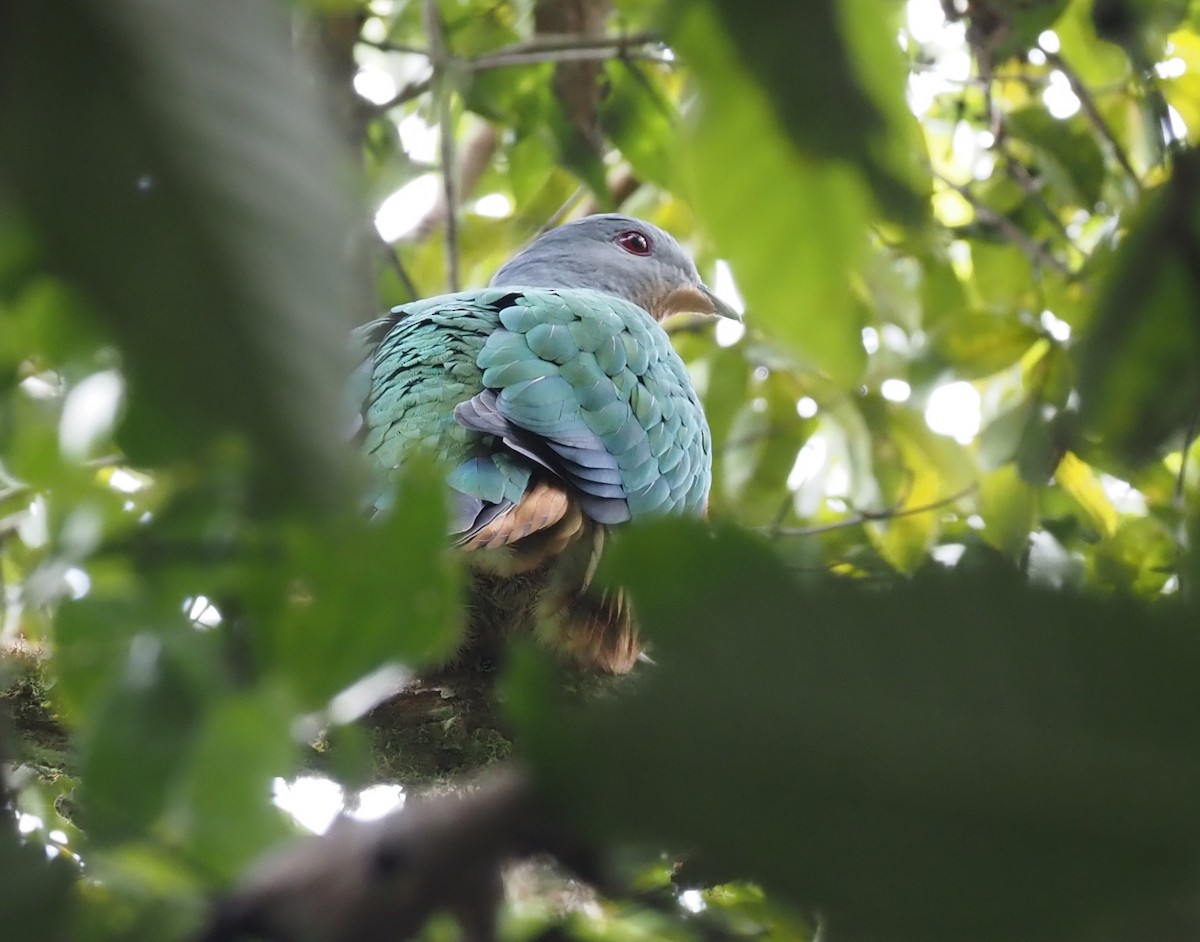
column 34, row 894
column 179, row 170
column 370, row 592
column 761, row 197
column 1138, row 382
column 955, row 757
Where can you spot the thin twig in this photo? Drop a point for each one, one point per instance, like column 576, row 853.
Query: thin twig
column 393, row 258
column 1089, row 108
column 1037, row 252
column 500, row 60
column 557, row 216
column 1189, row 439
column 438, row 60
column 548, row 42
column 537, row 44
column 407, row 93
column 533, row 51
column 1033, row 190
column 386, row 45
column 14, row 490
column 871, row 516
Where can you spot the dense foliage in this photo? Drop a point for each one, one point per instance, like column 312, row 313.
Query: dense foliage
column 932, row 674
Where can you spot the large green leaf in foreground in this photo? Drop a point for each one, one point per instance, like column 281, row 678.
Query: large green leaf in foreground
column 180, row 171
column 957, row 757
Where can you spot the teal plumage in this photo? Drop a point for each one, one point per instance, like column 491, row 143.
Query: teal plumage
column 561, row 408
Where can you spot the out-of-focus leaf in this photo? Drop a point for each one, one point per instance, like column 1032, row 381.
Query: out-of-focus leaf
column 814, row 86
column 916, row 468
column 1139, row 557
column 1002, row 274
column 530, row 164
column 728, row 377
column 1097, row 62
column 1183, row 91
column 369, row 593
column 980, row 343
column 1008, row 505
column 1002, row 437
column 639, row 120
column 1011, row 28
column 1050, row 373
column 792, row 228
column 760, row 450
column 133, row 746
column 136, row 893
column 242, row 745
column 1138, row 380
column 905, row 537
column 1068, row 152
column 1078, row 480
column 956, row 757
column 182, row 174
column 35, row 897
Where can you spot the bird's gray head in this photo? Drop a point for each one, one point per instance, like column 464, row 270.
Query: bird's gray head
column 617, row 255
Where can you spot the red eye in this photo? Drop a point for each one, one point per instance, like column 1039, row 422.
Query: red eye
column 634, row 242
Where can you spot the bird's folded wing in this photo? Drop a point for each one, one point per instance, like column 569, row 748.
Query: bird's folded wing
column 588, row 386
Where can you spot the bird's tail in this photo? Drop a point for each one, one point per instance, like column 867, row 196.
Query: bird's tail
column 593, row 628
column 597, row 631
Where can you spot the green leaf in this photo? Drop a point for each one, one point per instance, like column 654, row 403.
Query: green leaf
column 755, row 460
column 951, row 757
column 369, row 593
column 220, row 808
column 916, row 468
column 182, row 174
column 792, row 228
column 132, row 747
column 980, row 343
column 1002, row 438
column 1139, row 557
column 1068, row 154
column 815, row 79
column 35, row 893
column 1076, row 478
column 1096, row 61
column 1138, row 380
column 640, row 121
column 1008, row 506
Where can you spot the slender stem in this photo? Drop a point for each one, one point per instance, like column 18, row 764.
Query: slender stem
column 393, row 259
column 1189, row 439
column 1037, row 252
column 1033, row 190
column 870, row 516
column 533, row 51
column 501, row 59
column 539, row 44
column 407, row 93
column 1088, row 103
column 557, row 216
column 439, row 59
column 14, row 490
column 386, row 45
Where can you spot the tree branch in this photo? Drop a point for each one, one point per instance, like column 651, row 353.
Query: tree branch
column 622, row 45
column 376, row 881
